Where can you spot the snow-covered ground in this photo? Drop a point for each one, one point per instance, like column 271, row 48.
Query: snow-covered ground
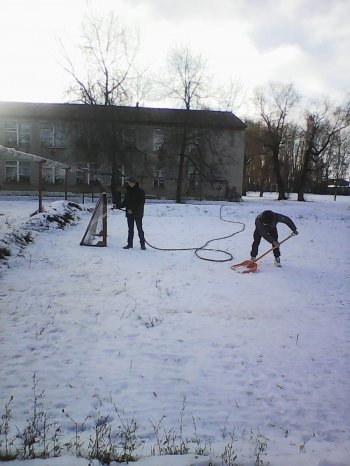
column 190, row 346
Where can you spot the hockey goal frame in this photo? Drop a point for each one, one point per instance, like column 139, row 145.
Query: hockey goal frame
column 99, row 211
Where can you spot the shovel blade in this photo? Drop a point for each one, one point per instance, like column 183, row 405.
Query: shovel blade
column 245, row 267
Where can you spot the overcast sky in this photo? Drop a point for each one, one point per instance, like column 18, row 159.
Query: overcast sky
column 306, row 42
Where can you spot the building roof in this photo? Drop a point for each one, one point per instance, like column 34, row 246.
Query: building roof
column 125, row 115
column 20, row 155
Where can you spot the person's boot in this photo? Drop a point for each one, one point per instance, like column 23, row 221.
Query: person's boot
column 278, row 262
column 128, row 246
column 143, row 247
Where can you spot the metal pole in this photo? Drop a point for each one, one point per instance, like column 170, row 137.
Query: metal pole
column 40, row 185
column 66, row 183
column 104, row 200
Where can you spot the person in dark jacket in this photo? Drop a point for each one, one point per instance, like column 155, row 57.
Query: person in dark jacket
column 266, row 227
column 134, row 202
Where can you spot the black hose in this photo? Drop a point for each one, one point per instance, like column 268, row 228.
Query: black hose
column 204, row 247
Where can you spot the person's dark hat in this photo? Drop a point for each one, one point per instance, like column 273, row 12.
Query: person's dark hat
column 267, row 217
column 132, row 179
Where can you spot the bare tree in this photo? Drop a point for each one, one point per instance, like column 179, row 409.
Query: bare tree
column 275, row 102
column 321, row 139
column 108, row 52
column 340, row 163
column 187, row 77
column 256, row 166
column 106, row 73
column 291, row 155
column 228, row 97
column 187, row 83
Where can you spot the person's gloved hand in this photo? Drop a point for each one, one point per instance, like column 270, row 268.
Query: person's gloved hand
column 295, row 233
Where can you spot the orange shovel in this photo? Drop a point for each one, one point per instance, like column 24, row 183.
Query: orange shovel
column 252, row 266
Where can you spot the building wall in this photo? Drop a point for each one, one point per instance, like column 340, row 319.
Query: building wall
column 217, row 151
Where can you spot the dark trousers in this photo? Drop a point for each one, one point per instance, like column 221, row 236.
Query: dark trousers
column 257, row 238
column 131, row 221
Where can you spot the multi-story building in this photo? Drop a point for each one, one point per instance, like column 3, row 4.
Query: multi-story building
column 103, row 145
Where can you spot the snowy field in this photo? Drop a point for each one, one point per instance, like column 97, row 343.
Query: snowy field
column 196, row 354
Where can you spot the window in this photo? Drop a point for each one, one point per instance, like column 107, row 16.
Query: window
column 17, row 134
column 85, row 138
column 159, row 137
column 158, row 181
column 11, row 138
column 129, row 137
column 193, row 145
column 88, row 173
column 193, row 178
column 52, row 136
column 17, row 171
column 118, row 176
column 53, row 175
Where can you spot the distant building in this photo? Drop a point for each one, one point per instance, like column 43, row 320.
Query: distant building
column 104, row 145
column 338, row 186
column 338, row 182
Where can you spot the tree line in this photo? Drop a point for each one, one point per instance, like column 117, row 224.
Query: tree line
column 292, row 145
column 296, row 148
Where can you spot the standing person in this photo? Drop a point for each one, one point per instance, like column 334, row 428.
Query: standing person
column 134, row 202
column 266, row 227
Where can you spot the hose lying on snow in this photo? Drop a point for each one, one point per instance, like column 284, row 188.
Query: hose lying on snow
column 204, row 247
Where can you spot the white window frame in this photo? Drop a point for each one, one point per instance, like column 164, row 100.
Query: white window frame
column 193, row 146
column 193, row 177
column 52, row 175
column 159, row 138
column 21, row 167
column 129, row 137
column 158, row 181
column 21, row 133
column 55, row 137
column 91, row 171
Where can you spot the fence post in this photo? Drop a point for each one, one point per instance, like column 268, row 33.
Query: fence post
column 104, row 200
column 40, row 185
column 66, row 183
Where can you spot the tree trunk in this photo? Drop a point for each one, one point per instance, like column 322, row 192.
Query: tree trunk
column 303, row 177
column 116, row 194
column 262, row 190
column 179, row 179
column 244, row 184
column 335, row 191
column 279, row 180
column 301, row 189
column 181, row 168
